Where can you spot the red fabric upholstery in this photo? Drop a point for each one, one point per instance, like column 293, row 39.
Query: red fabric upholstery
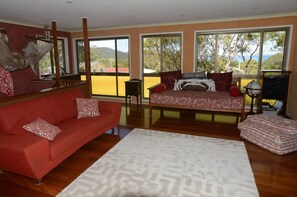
column 222, row 80
column 57, row 102
column 33, row 156
column 69, row 136
column 18, row 127
column 234, row 91
column 22, row 80
column 31, row 110
column 168, row 78
column 159, row 88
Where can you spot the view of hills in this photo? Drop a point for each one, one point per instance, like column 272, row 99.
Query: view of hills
column 110, row 53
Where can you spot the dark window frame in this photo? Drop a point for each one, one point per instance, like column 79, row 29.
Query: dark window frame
column 116, row 73
column 286, row 29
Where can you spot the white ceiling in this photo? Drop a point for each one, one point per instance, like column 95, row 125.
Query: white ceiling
column 119, row 13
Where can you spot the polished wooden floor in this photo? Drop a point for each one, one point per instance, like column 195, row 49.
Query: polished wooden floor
column 275, row 175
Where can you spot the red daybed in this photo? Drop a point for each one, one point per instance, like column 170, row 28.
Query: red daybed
column 164, row 96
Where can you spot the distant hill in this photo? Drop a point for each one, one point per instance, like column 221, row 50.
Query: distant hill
column 109, row 53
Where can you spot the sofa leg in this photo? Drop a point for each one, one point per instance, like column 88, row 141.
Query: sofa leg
column 112, row 131
column 38, row 182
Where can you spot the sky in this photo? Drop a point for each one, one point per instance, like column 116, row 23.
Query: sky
column 122, row 44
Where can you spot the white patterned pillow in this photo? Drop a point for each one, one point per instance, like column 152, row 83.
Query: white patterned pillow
column 43, row 129
column 195, row 84
column 87, row 107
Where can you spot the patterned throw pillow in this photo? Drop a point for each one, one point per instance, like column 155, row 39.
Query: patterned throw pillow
column 43, row 129
column 195, row 84
column 87, row 107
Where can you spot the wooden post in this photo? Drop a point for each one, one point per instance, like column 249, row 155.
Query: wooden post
column 87, row 56
column 56, row 53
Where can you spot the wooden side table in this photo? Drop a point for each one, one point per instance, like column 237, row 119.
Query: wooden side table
column 133, row 88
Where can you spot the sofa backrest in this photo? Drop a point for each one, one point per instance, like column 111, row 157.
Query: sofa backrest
column 30, row 110
column 53, row 108
column 63, row 104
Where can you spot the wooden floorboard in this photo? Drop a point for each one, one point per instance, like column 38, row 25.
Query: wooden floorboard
column 276, row 176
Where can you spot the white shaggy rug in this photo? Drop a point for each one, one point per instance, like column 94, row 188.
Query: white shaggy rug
column 160, row 164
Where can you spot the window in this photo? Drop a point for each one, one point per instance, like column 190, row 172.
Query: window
column 47, row 64
column 110, row 67
column 160, row 53
column 245, row 53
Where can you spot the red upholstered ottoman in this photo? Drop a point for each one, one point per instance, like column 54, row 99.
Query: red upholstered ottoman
column 274, row 133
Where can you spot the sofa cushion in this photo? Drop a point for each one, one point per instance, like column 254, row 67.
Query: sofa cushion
column 87, row 107
column 31, row 109
column 168, row 78
column 222, row 80
column 63, row 104
column 18, row 127
column 75, row 132
column 43, row 129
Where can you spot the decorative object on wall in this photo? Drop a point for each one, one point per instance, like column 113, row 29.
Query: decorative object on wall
column 33, row 53
column 10, row 60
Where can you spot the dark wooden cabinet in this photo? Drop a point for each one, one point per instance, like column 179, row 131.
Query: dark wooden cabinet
column 133, row 88
column 276, row 86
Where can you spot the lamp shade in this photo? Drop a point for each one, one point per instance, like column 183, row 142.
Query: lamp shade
column 254, row 88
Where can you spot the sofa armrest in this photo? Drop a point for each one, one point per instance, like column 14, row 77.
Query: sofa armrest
column 111, row 107
column 24, row 153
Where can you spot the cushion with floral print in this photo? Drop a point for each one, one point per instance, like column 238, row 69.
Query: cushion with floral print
column 87, row 107
column 43, row 129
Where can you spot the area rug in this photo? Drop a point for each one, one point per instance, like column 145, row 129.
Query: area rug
column 160, row 164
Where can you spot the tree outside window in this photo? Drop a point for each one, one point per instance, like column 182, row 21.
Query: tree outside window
column 244, row 53
column 160, row 53
column 47, row 64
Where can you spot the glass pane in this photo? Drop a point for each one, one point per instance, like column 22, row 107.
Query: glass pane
column 273, row 50
column 238, row 52
column 206, row 52
column 171, row 53
column 149, row 81
column 121, row 84
column 104, row 85
column 45, row 65
column 80, row 56
column 123, row 55
column 151, row 55
column 61, row 56
column 102, row 55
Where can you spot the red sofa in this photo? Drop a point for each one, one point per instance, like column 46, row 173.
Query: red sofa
column 32, row 156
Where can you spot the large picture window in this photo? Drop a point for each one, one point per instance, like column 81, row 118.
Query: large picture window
column 160, row 53
column 245, row 53
column 110, row 68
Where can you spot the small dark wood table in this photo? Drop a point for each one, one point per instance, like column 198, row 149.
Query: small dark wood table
column 133, row 88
